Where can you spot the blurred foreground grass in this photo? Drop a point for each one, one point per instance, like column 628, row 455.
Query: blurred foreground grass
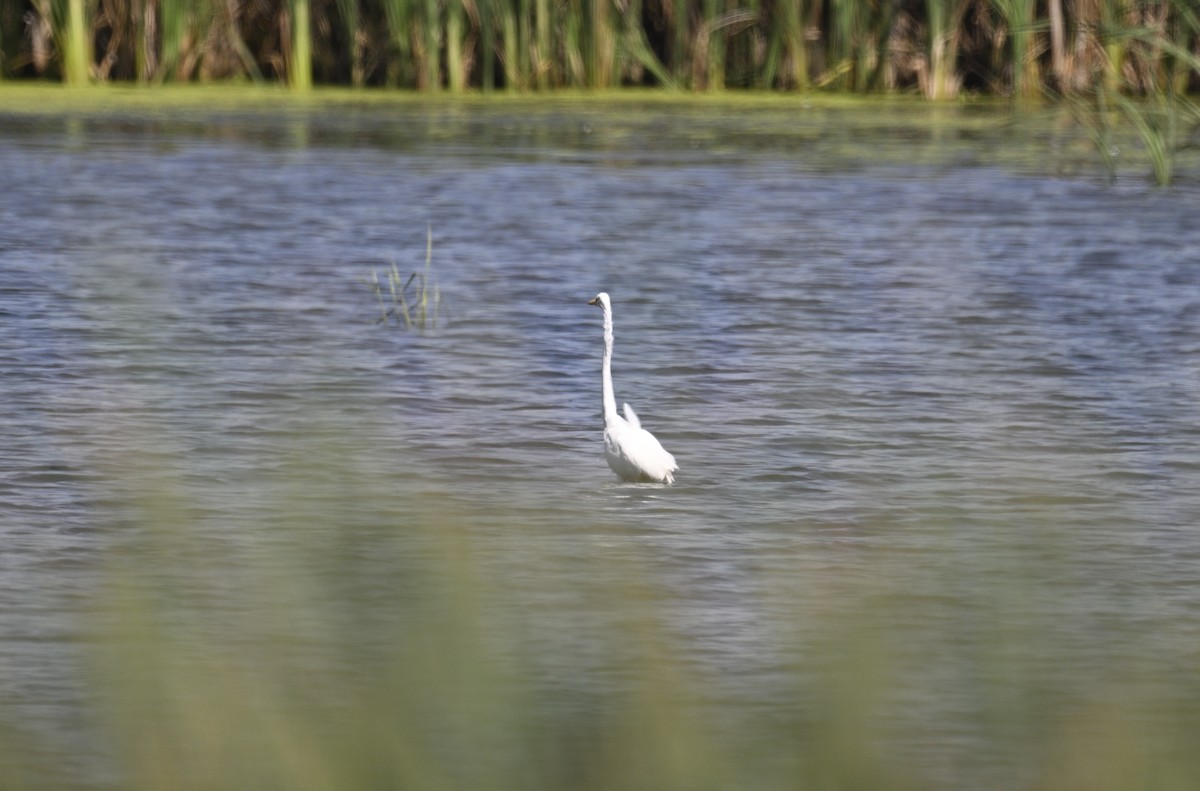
column 333, row 635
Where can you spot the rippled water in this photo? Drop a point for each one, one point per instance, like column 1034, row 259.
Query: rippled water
column 932, row 377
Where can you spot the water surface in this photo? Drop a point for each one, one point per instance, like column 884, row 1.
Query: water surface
column 914, row 379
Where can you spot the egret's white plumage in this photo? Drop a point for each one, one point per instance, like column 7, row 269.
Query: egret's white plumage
column 632, row 451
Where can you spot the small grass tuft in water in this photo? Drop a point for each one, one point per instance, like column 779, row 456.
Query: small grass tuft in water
column 414, row 302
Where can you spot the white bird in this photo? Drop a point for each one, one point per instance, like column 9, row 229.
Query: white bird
column 632, row 451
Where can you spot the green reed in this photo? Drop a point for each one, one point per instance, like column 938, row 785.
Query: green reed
column 174, row 19
column 300, row 64
column 941, row 80
column 844, row 34
column 939, row 47
column 76, row 44
column 1165, row 120
column 786, row 64
column 414, row 301
column 456, row 47
column 1165, row 124
column 1019, row 21
column 181, row 40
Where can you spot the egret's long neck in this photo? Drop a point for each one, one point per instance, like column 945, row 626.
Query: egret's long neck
column 610, row 402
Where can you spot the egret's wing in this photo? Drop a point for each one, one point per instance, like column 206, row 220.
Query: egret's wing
column 631, row 417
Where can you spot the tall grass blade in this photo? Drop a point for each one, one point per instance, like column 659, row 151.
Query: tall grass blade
column 1019, row 18
column 456, row 57
column 575, row 68
column 1156, row 127
column 510, row 48
column 942, row 80
column 603, row 44
column 172, row 19
column 637, row 47
column 1111, row 21
column 543, row 56
column 794, row 47
column 525, row 43
column 76, row 44
column 399, row 17
column 709, row 52
column 681, row 39
column 300, row 65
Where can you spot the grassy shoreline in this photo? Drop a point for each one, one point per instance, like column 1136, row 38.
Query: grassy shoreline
column 44, row 96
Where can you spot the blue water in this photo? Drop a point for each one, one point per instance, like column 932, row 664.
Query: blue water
column 938, row 379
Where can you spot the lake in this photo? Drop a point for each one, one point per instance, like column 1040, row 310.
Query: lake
column 931, row 379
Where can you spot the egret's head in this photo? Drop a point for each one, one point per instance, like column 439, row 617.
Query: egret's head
column 601, row 300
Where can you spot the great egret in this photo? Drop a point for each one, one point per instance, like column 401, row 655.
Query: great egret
column 632, row 451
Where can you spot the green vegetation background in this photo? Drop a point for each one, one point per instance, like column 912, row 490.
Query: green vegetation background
column 938, row 48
